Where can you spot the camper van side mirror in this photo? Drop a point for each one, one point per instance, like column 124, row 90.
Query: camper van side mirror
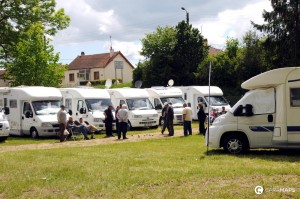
column 28, row 114
column 70, row 112
column 158, row 107
column 82, row 111
column 238, row 111
column 249, row 110
column 6, row 111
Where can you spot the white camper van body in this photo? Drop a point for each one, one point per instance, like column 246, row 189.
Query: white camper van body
column 266, row 117
column 32, row 110
column 88, row 103
column 141, row 110
column 194, row 95
column 159, row 95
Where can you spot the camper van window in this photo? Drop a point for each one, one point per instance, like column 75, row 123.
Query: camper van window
column 80, row 105
column 217, row 100
column 295, row 97
column 177, row 102
column 139, row 104
column 97, row 104
column 13, row 103
column 27, row 108
column 156, row 102
column 68, row 104
column 46, row 107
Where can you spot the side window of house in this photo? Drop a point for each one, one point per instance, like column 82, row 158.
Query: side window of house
column 80, row 104
column 295, row 97
column 71, row 77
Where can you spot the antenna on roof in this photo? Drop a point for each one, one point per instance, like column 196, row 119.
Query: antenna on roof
column 110, row 42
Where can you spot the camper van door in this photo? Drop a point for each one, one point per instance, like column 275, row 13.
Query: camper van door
column 27, row 117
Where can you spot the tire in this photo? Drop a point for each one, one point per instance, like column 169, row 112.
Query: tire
column 2, row 139
column 235, row 144
column 34, row 133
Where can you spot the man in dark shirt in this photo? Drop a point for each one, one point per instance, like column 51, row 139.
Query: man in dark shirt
column 109, row 118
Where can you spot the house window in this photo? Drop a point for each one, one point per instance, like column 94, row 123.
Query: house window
column 84, row 74
column 96, row 75
column 71, row 77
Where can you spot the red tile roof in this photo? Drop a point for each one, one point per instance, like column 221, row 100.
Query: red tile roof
column 214, row 51
column 94, row 61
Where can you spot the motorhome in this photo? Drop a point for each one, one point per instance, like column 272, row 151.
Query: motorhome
column 194, row 95
column 88, row 103
column 141, row 110
column 31, row 110
column 4, row 126
column 267, row 116
column 159, row 95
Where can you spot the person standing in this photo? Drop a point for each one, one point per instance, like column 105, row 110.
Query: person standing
column 117, row 119
column 163, row 117
column 123, row 120
column 169, row 119
column 62, row 121
column 201, row 118
column 187, row 119
column 109, row 118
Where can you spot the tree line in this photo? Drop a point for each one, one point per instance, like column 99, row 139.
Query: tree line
column 180, row 53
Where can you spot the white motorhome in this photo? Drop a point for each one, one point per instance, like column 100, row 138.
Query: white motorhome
column 88, row 103
column 141, row 110
column 159, row 95
column 194, row 95
column 4, row 127
column 31, row 110
column 266, row 117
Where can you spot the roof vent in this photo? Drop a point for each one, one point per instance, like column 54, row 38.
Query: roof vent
column 82, row 53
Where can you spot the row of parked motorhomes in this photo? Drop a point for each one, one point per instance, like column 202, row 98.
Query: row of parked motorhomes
column 267, row 116
column 32, row 110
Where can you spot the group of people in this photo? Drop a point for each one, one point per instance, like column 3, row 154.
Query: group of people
column 121, row 116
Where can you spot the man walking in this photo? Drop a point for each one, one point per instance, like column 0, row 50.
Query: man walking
column 123, row 120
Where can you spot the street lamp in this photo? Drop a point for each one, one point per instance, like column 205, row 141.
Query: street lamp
column 187, row 14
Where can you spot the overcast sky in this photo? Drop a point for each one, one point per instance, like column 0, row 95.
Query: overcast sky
column 128, row 21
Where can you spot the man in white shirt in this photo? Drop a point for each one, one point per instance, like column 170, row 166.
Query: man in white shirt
column 123, row 120
column 187, row 120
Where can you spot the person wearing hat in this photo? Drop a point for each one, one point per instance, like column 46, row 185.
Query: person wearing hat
column 62, row 121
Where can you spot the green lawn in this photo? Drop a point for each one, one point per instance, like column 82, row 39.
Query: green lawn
column 166, row 168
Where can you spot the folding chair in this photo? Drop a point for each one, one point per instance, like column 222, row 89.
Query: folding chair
column 75, row 133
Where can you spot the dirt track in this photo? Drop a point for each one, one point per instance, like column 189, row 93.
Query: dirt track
column 111, row 140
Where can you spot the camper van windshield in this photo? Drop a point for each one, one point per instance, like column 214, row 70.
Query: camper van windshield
column 139, row 104
column 217, row 100
column 46, row 107
column 177, row 102
column 97, row 104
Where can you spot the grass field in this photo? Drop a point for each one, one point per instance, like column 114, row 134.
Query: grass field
column 176, row 167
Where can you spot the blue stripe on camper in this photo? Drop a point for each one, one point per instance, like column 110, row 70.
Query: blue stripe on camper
column 261, row 128
column 293, row 129
column 294, row 80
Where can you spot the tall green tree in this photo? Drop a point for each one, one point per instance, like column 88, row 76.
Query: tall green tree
column 189, row 52
column 158, row 50
column 282, row 29
column 35, row 63
column 16, row 17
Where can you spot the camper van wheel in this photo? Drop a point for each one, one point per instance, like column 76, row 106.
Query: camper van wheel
column 34, row 133
column 234, row 144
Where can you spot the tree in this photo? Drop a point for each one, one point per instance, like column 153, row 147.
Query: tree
column 16, row 17
column 189, row 51
column 283, row 33
column 34, row 60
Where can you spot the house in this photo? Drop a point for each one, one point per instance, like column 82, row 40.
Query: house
column 89, row 68
column 214, row 51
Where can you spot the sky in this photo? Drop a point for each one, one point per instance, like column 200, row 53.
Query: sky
column 96, row 25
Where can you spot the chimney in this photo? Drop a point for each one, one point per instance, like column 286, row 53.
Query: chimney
column 111, row 52
column 205, row 42
column 82, row 53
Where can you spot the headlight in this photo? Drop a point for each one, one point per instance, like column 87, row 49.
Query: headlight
column 137, row 116
column 46, row 124
column 219, row 119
